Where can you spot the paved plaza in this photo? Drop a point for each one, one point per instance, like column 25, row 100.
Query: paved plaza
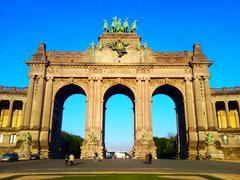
column 121, row 165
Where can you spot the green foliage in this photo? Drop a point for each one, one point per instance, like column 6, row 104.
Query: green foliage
column 72, row 143
column 166, row 147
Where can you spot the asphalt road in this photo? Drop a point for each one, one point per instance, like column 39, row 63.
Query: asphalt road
column 166, row 166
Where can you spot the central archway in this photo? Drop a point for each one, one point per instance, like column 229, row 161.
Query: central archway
column 114, row 90
column 176, row 95
column 57, row 149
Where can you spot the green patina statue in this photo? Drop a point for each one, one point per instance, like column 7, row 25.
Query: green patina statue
column 209, row 139
column 105, row 26
column 144, row 138
column 114, row 24
column 125, row 26
column 27, row 138
column 133, row 27
column 118, row 46
column 92, row 137
column 92, row 45
column 118, row 26
column 100, row 46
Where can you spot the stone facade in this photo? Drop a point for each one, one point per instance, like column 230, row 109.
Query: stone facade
column 100, row 72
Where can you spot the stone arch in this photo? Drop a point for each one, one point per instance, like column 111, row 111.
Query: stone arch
column 59, row 84
column 114, row 89
column 59, row 98
column 178, row 98
column 110, row 83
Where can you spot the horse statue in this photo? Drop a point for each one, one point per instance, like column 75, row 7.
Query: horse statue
column 134, row 26
column 114, row 24
column 105, row 26
column 119, row 26
column 125, row 26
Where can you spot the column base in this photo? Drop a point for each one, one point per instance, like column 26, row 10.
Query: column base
column 213, row 153
column 45, row 153
column 88, row 150
column 141, row 149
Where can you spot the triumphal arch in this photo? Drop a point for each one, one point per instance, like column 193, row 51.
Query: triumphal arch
column 207, row 119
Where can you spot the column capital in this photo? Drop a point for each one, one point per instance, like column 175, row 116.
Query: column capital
column 40, row 76
column 197, row 77
column 206, row 78
column 226, row 102
column 147, row 78
column 31, row 76
column 50, row 78
column 139, row 78
column 90, row 78
column 188, row 78
column 98, row 78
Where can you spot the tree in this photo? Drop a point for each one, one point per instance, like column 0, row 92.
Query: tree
column 72, row 143
column 166, row 147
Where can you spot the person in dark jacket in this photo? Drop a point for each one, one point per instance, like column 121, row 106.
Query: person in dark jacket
column 66, row 159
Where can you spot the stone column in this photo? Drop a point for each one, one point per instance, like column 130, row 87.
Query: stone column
column 211, row 125
column 1, row 117
column 222, row 119
column 47, row 109
column 214, row 114
column 148, row 108
column 142, row 104
column 47, row 104
column 98, row 103
column 23, row 112
column 227, row 114
column 238, row 122
column 30, row 92
column 198, row 104
column 178, row 135
column 10, row 113
column 38, row 106
column 139, row 115
column 89, row 121
column 190, row 107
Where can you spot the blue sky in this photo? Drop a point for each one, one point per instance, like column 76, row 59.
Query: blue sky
column 165, row 25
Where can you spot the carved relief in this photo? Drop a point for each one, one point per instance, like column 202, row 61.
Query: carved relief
column 143, row 69
column 67, row 70
column 95, row 69
column 60, row 82
column 178, row 83
column 119, row 71
column 107, row 83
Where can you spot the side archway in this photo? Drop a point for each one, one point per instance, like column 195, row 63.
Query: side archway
column 178, row 99
column 56, row 144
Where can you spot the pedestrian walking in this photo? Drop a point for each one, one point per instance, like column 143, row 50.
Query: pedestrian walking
column 149, row 158
column 66, row 159
column 96, row 157
column 71, row 159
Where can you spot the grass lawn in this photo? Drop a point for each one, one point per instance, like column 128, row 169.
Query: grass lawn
column 115, row 177
column 111, row 176
column 129, row 177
